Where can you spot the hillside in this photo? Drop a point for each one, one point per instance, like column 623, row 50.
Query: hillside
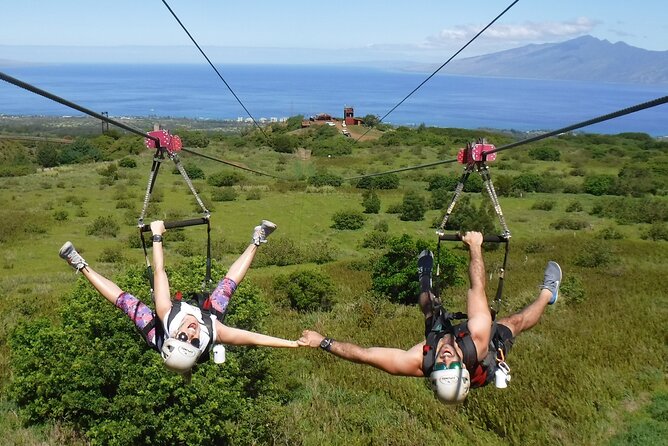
column 584, row 59
column 592, row 372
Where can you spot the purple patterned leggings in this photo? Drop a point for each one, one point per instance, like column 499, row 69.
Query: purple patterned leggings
column 142, row 315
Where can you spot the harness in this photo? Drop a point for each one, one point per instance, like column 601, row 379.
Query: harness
column 482, row 372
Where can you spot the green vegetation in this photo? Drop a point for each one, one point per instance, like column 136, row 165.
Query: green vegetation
column 74, row 371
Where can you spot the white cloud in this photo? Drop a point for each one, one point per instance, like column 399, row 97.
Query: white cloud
column 528, row 32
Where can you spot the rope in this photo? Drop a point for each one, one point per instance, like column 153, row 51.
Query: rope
column 53, row 97
column 442, row 65
column 217, row 72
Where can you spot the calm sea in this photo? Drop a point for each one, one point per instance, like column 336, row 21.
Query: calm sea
column 267, row 91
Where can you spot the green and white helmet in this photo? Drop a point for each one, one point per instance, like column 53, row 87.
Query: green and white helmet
column 450, row 384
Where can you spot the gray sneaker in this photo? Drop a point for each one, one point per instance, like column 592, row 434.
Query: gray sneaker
column 260, row 233
column 72, row 257
column 552, row 280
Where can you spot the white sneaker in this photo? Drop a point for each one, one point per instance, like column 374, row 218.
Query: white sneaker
column 260, row 233
column 70, row 254
column 552, row 280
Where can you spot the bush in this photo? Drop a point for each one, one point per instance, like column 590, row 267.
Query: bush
column 545, row 154
column 92, row 371
column 658, row 231
column 224, row 194
column 598, row 184
column 60, row 215
column 325, row 179
column 193, row 171
column 573, row 290
column 593, row 255
column 544, row 205
column 307, row 290
column 220, row 179
column 111, row 255
column 253, row 194
column 388, row 181
column 127, row 163
column 348, row 220
column 610, row 233
column 574, row 206
column 103, row 227
column 570, row 224
column 413, row 207
column 375, row 240
column 370, row 202
column 395, row 273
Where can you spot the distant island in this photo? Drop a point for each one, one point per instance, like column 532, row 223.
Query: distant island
column 582, row 59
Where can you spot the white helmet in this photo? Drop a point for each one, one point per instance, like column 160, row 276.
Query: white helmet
column 450, row 385
column 179, row 356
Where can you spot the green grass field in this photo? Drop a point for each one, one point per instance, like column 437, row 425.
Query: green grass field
column 592, row 372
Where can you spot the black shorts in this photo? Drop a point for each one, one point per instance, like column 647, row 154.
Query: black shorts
column 506, row 336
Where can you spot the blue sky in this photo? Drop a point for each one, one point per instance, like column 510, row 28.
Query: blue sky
column 306, row 32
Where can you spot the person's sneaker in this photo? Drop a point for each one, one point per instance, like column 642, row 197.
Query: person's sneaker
column 260, row 233
column 70, row 254
column 425, row 264
column 552, row 280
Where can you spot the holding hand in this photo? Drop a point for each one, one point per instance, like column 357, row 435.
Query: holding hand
column 472, row 238
column 158, row 227
column 310, row 339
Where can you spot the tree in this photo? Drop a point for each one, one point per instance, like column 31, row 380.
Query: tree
column 371, row 120
column 47, row 155
column 350, row 220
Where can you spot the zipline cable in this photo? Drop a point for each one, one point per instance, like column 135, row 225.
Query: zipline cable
column 231, row 164
column 617, row 114
column 625, row 111
column 216, row 70
column 53, row 97
column 442, row 65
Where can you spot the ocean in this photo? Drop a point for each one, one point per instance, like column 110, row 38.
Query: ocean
column 280, row 91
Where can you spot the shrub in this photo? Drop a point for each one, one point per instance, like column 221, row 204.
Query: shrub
column 127, row 162
column 593, row 255
column 388, row 181
column 610, row 233
column 534, row 246
column 253, row 194
column 193, row 171
column 574, row 206
column 375, row 240
column 348, row 220
column 325, row 179
column 307, row 290
column 527, row 182
column 658, row 231
column 60, row 215
column 103, row 226
column 467, row 217
column 370, row 202
column 281, row 251
column 570, row 224
column 413, row 207
column 545, row 154
column 92, row 370
column 544, row 205
column 111, row 255
column 395, row 273
column 224, row 194
column 598, row 184
column 396, row 208
column 220, row 179
column 573, row 289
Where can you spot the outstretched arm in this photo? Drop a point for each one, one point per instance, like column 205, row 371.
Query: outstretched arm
column 391, row 360
column 163, row 301
column 477, row 308
column 236, row 336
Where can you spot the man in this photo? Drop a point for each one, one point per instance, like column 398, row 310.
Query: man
column 182, row 332
column 454, row 357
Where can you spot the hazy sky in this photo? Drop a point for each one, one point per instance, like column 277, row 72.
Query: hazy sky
column 304, row 32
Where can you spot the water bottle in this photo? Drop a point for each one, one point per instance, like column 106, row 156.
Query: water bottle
column 219, row 353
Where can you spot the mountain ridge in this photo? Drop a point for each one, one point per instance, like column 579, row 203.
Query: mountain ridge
column 584, row 58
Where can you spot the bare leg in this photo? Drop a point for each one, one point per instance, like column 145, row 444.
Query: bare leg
column 238, row 270
column 104, row 286
column 529, row 316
